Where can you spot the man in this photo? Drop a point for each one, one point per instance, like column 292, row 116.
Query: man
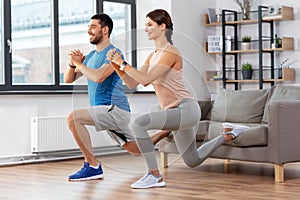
column 109, row 106
column 109, row 109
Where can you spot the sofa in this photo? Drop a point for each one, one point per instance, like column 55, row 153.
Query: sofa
column 273, row 116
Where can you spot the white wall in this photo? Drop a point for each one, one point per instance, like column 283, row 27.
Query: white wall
column 16, row 112
column 189, row 37
column 145, row 46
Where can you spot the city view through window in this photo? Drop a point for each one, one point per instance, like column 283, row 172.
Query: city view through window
column 1, row 63
column 32, row 41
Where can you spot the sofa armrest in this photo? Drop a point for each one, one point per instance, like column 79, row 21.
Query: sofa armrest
column 205, row 107
column 284, row 134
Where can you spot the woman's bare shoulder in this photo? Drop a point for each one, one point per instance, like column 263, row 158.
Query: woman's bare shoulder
column 174, row 50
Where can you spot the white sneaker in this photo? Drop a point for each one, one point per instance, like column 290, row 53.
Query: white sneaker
column 149, row 181
column 237, row 129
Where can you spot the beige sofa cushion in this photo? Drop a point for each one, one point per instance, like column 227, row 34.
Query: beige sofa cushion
column 238, row 106
column 205, row 107
column 281, row 92
column 256, row 135
column 202, row 129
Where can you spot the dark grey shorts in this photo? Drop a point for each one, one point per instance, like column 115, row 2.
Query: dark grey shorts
column 114, row 120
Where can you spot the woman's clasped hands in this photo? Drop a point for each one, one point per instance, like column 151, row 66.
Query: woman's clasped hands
column 114, row 57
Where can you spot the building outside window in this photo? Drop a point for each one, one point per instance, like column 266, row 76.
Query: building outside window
column 31, row 42
column 32, row 49
column 73, row 25
column 122, row 33
column 1, row 51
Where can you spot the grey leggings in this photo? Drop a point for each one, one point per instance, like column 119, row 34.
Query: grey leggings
column 183, row 120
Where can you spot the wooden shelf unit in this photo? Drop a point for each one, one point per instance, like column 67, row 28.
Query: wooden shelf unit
column 288, row 74
column 287, row 13
column 206, row 21
column 287, row 44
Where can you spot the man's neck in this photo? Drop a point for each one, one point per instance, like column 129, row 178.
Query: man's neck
column 102, row 45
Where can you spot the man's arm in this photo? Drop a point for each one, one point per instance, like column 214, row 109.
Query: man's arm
column 96, row 75
column 71, row 74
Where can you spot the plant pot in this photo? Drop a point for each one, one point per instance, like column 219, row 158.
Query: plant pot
column 246, row 45
column 247, row 74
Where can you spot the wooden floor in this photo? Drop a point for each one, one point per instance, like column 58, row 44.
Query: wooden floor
column 48, row 181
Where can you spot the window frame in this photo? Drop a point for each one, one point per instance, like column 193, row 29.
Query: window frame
column 56, row 87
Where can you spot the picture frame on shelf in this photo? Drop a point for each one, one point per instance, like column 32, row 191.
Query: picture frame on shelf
column 214, row 43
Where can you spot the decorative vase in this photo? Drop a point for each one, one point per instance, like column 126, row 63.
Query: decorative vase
column 246, row 45
column 246, row 14
column 247, row 74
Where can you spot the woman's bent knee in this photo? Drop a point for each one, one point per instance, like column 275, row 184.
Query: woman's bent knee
column 139, row 124
column 191, row 163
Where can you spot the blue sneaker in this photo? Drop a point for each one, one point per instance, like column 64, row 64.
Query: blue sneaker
column 87, row 173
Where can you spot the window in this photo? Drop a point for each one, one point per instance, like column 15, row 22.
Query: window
column 38, row 34
column 73, row 26
column 1, row 50
column 31, row 42
column 121, row 34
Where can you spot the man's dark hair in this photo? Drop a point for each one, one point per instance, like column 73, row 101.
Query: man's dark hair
column 104, row 20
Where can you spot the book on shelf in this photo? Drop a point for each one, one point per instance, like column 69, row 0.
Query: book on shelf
column 217, row 78
column 212, row 17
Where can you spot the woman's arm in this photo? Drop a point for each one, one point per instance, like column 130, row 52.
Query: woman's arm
column 143, row 76
column 129, row 81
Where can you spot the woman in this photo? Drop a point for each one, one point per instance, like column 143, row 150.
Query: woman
column 179, row 111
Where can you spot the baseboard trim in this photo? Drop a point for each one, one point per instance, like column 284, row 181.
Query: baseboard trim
column 56, row 156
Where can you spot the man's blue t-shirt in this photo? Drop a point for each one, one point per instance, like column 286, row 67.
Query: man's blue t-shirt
column 110, row 91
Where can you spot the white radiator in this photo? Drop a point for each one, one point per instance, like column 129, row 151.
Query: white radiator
column 51, row 134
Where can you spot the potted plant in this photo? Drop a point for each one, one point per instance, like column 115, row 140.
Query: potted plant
column 247, row 70
column 246, row 42
column 277, row 41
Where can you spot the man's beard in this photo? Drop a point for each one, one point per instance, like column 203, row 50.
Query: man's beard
column 97, row 39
